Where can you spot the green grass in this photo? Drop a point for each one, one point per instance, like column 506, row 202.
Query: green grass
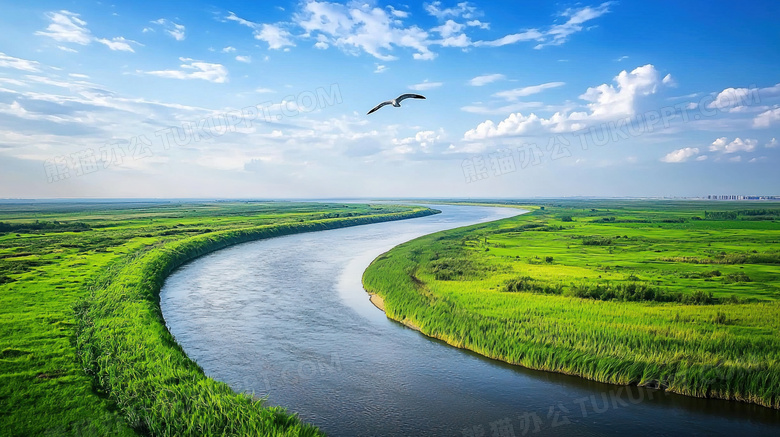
column 84, row 348
column 625, row 292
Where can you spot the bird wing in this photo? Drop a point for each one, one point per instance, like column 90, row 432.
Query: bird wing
column 379, row 106
column 409, row 96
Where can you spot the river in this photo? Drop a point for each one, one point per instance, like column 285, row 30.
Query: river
column 287, row 318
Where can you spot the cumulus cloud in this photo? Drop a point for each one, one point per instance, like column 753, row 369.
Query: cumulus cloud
column 609, row 100
column 422, row 139
column 192, row 69
column 680, row 155
column 767, row 118
column 772, row 144
column 738, row 99
column 516, row 93
column 604, row 102
column 244, row 59
column 722, row 144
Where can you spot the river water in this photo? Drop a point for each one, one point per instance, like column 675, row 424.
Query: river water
column 287, row 318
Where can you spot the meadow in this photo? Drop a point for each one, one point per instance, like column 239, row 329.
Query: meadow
column 83, row 345
column 681, row 296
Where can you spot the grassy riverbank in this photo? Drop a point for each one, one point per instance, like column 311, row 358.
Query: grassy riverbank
column 84, row 349
column 682, row 296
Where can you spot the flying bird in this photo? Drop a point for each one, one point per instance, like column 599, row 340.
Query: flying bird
column 396, row 101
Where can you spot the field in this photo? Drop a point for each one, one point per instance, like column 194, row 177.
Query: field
column 83, row 345
column 681, row 296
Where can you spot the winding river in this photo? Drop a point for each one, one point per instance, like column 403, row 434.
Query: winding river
column 287, row 318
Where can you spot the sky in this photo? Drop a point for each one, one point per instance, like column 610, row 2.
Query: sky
column 268, row 99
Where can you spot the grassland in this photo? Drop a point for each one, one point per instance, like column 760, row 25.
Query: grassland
column 681, row 296
column 83, row 345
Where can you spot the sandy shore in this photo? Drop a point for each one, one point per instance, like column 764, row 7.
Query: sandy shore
column 380, row 303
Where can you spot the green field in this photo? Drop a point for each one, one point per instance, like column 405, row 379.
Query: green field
column 682, row 296
column 83, row 345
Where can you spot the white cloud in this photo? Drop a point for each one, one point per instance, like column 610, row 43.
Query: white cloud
column 175, row 30
column 244, row 59
column 736, row 159
column 425, row 85
column 12, row 82
column 556, row 34
column 118, row 43
column 66, row 26
column 622, row 58
column 772, row 144
column 18, row 63
column 361, row 27
column 701, row 158
column 477, row 23
column 681, row 155
column 461, row 10
column 228, row 49
column 767, row 118
column 559, row 33
column 380, row 68
column 191, row 69
column 668, row 80
column 486, row 79
column 449, row 28
column 264, row 90
column 528, row 35
column 515, row 124
column 735, row 99
column 479, row 108
column 516, row 93
column 422, row 139
column 276, row 37
column 738, row 145
column 605, row 102
column 398, row 13
column 78, row 75
column 67, row 49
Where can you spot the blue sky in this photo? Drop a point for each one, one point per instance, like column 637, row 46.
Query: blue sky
column 269, row 99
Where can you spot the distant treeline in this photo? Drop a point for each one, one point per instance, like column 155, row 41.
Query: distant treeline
column 43, row 226
column 743, row 214
column 630, row 292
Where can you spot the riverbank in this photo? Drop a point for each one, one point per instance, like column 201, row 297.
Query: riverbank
column 608, row 293
column 112, row 368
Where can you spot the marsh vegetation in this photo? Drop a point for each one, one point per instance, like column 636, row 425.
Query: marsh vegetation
column 682, row 296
